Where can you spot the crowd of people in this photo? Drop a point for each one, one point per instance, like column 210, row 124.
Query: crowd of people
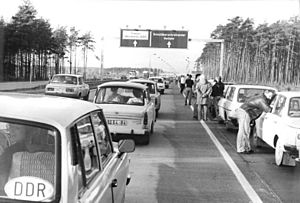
column 207, row 94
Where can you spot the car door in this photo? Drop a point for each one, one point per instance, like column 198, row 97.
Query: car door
column 270, row 123
column 260, row 120
column 228, row 102
column 103, row 173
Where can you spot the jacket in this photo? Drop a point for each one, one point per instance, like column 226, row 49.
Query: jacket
column 255, row 106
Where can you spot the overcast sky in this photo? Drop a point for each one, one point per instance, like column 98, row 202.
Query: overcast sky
column 106, row 18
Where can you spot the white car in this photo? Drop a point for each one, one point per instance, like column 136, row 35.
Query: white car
column 280, row 128
column 68, row 85
column 55, row 149
column 128, row 109
column 234, row 97
column 154, row 93
column 160, row 83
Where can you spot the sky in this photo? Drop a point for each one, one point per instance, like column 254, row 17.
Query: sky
column 104, row 19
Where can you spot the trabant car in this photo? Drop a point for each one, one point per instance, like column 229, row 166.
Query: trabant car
column 160, row 83
column 128, row 109
column 280, row 128
column 55, row 149
column 155, row 95
column 235, row 96
column 68, row 85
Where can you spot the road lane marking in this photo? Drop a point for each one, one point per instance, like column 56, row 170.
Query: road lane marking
column 236, row 171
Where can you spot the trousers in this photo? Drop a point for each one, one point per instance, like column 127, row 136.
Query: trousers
column 243, row 135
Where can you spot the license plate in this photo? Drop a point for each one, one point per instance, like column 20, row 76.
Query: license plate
column 117, row 122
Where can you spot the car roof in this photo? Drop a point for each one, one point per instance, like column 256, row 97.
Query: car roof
column 53, row 110
column 73, row 75
column 253, row 86
column 122, row 84
column 142, row 80
column 289, row 93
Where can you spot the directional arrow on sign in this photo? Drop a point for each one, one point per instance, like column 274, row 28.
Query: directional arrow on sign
column 134, row 43
column 169, row 44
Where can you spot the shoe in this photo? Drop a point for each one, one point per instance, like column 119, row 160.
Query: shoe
column 184, row 104
column 246, row 152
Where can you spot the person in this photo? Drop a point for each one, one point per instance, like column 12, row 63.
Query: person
column 115, row 97
column 217, row 93
column 182, row 83
column 248, row 113
column 138, row 97
column 188, row 86
column 203, row 89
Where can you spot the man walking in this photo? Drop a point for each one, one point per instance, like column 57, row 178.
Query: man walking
column 182, row 83
column 250, row 111
column 189, row 89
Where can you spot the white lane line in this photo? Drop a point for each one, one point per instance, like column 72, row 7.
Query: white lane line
column 236, row 171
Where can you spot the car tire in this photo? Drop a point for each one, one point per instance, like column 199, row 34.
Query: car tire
column 227, row 125
column 146, row 138
column 279, row 154
column 86, row 98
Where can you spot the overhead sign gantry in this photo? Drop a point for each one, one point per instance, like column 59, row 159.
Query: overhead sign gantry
column 177, row 39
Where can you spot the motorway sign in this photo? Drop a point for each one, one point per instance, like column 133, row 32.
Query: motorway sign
column 135, row 38
column 169, row 39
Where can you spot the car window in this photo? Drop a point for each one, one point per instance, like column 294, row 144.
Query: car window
column 102, row 135
column 28, row 160
column 80, row 80
column 294, row 107
column 120, row 95
column 247, row 93
column 230, row 94
column 88, row 150
column 279, row 105
column 64, row 79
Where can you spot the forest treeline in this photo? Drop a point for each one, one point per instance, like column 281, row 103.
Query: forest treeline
column 266, row 54
column 30, row 49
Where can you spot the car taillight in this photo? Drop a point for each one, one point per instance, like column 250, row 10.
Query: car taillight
column 50, row 89
column 145, row 118
column 69, row 90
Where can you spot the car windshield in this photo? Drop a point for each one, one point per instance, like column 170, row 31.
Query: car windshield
column 294, row 107
column 120, row 95
column 27, row 162
column 62, row 79
column 245, row 93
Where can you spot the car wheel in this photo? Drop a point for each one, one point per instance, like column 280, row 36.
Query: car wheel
column 279, row 153
column 227, row 125
column 146, row 138
column 86, row 98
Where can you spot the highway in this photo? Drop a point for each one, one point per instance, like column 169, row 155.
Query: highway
column 193, row 161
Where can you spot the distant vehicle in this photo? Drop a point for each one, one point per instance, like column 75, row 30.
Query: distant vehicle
column 160, row 83
column 155, row 95
column 146, row 74
column 280, row 128
column 167, row 82
column 128, row 109
column 235, row 96
column 68, row 85
column 57, row 149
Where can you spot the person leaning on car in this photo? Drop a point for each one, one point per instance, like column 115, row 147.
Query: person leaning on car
column 250, row 111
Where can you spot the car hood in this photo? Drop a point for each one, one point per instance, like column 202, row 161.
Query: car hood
column 122, row 110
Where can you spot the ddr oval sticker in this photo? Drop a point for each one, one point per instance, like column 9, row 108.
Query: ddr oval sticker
column 29, row 188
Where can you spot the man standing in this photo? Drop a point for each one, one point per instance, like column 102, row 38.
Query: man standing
column 188, row 85
column 250, row 111
column 182, row 83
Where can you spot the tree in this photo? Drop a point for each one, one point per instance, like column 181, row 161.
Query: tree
column 87, row 43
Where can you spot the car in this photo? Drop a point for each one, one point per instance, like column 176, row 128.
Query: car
column 68, row 85
column 167, row 82
column 234, row 97
column 155, row 95
column 280, row 128
column 128, row 108
column 160, row 83
column 56, row 149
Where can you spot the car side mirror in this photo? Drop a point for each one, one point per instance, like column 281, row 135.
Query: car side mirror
column 127, row 145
